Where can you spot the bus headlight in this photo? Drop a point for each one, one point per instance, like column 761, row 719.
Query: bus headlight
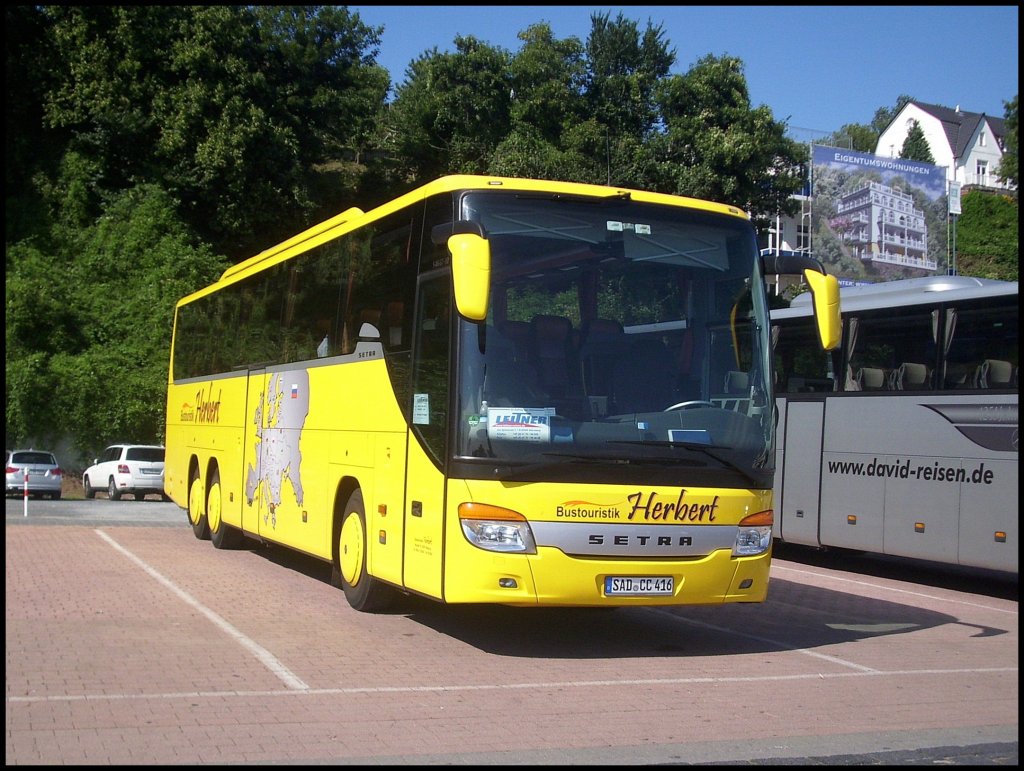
column 754, row 535
column 496, row 529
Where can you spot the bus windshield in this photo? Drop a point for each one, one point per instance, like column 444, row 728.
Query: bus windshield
column 618, row 331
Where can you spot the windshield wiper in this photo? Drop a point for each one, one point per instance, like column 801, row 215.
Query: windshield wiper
column 699, row 447
column 514, row 472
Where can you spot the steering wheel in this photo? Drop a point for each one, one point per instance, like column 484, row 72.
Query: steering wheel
column 687, row 405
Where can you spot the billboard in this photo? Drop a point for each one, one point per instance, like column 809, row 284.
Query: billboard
column 877, row 219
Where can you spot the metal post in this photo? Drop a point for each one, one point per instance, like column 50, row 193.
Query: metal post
column 25, row 499
column 954, row 273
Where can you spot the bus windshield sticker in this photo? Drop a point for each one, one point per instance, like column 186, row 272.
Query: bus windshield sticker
column 522, row 424
column 421, row 409
column 618, row 227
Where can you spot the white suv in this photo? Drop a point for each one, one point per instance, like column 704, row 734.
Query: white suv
column 136, row 469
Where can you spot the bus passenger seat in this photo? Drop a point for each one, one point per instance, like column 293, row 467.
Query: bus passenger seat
column 550, row 340
column 736, row 382
column 911, row 376
column 518, row 334
column 871, row 379
column 995, row 373
column 604, row 341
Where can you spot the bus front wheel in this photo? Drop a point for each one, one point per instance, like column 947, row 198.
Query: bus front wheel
column 197, row 507
column 363, row 592
column 222, row 535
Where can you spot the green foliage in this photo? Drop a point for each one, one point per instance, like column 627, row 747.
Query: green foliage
column 451, row 113
column 855, row 136
column 623, row 70
column 88, row 336
column 915, row 146
column 1008, row 170
column 548, row 78
column 864, row 138
column 229, row 107
column 986, row 236
column 717, row 145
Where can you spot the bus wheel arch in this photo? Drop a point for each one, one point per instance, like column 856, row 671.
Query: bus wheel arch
column 349, row 565
column 197, row 502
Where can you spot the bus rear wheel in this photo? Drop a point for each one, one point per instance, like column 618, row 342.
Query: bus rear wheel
column 363, row 592
column 197, row 507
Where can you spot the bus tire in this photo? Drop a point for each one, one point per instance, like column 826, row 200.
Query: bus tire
column 363, row 592
column 197, row 507
column 222, row 535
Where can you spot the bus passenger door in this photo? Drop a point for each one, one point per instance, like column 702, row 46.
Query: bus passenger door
column 425, row 480
column 799, row 498
column 252, row 433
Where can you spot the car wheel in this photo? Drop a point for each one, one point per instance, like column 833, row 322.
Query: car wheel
column 56, row 496
column 363, row 592
column 197, row 507
column 90, row 491
column 112, row 492
column 222, row 536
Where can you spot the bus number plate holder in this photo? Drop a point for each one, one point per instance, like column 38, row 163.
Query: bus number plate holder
column 639, row 586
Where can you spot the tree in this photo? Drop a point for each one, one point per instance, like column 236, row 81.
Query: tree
column 915, row 146
column 987, row 236
column 88, row 333
column 548, row 79
column 864, row 138
column 716, row 145
column 623, row 70
column 451, row 112
column 1008, row 165
column 229, row 107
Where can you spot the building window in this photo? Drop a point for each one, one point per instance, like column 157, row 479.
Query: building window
column 981, row 139
column 982, row 172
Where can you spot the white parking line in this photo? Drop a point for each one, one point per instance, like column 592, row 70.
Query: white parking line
column 931, row 673
column 266, row 657
column 832, row 577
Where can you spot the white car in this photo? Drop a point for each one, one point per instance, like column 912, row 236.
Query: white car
column 136, row 469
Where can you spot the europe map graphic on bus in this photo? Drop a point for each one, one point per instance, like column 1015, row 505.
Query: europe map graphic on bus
column 277, row 440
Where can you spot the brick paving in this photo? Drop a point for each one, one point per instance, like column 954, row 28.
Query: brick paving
column 143, row 645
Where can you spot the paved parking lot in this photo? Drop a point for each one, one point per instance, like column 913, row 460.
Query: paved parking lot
column 136, row 643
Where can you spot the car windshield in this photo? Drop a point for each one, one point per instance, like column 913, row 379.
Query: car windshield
column 148, row 454
column 34, row 458
column 617, row 332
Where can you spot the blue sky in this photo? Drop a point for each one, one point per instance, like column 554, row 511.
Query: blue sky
column 816, row 67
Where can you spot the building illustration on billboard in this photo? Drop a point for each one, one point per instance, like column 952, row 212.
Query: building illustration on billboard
column 877, row 219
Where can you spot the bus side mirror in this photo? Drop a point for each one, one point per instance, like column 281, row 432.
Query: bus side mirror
column 471, row 274
column 825, row 294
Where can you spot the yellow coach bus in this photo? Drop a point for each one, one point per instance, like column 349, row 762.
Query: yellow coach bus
column 494, row 390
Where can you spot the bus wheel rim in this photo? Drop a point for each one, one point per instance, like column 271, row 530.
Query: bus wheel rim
column 195, row 500
column 213, row 507
column 351, row 546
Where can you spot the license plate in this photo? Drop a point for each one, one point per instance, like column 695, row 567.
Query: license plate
column 638, row 586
